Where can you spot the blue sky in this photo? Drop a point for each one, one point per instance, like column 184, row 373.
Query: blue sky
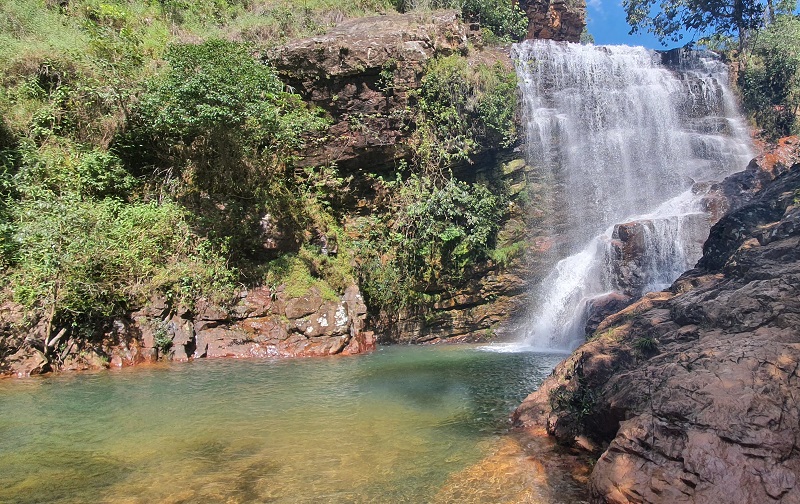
column 607, row 25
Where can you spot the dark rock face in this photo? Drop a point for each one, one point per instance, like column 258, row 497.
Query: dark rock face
column 555, row 19
column 694, row 391
column 361, row 73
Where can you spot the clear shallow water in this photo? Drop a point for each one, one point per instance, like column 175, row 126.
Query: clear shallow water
column 392, row 426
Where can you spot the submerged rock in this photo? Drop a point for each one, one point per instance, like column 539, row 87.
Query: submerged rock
column 694, row 391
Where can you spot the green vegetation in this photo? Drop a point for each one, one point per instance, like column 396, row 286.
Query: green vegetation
column 500, row 20
column 770, row 78
column 434, row 227
column 146, row 150
column 645, row 345
column 575, row 399
column 134, row 164
column 427, row 239
column 463, row 108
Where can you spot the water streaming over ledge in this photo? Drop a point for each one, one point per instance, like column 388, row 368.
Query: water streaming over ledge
column 622, row 134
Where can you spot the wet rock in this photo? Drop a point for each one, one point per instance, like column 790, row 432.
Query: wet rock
column 601, row 307
column 775, row 160
column 694, row 391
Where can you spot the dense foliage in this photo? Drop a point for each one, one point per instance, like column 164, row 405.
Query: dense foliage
column 134, row 166
column 428, row 238
column 464, row 108
column 433, row 227
column 146, row 150
column 500, row 20
column 215, row 103
column 770, row 77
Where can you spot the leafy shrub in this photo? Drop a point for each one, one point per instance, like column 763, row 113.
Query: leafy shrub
column 215, row 105
column 463, row 109
column 218, row 131
column 502, row 20
column 431, row 235
column 770, row 82
column 60, row 168
column 97, row 258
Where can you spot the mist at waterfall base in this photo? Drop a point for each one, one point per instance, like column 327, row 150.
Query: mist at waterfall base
column 621, row 137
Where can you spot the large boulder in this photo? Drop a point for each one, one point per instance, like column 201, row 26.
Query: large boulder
column 693, row 392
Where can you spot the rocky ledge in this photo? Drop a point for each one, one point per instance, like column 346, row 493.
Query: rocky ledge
column 262, row 323
column 555, row 19
column 691, row 394
column 361, row 73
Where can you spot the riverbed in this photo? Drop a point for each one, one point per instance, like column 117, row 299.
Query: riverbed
column 403, row 424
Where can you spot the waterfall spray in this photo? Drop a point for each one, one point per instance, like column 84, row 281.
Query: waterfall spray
column 623, row 138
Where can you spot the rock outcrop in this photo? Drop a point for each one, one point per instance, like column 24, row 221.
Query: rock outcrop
column 692, row 393
column 555, row 19
column 263, row 323
column 361, row 73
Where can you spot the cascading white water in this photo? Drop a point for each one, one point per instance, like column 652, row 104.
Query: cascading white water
column 621, row 138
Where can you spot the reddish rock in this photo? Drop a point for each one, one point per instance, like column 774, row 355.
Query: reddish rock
column 181, row 332
column 694, row 391
column 362, row 342
column 303, row 306
column 555, row 19
column 27, row 362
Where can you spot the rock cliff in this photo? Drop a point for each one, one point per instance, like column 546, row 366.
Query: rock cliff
column 262, row 323
column 555, row 19
column 691, row 393
column 364, row 74
column 361, row 73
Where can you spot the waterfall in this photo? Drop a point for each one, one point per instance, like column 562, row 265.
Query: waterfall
column 627, row 140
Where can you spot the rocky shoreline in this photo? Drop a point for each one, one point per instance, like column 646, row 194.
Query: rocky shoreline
column 690, row 394
column 262, row 323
